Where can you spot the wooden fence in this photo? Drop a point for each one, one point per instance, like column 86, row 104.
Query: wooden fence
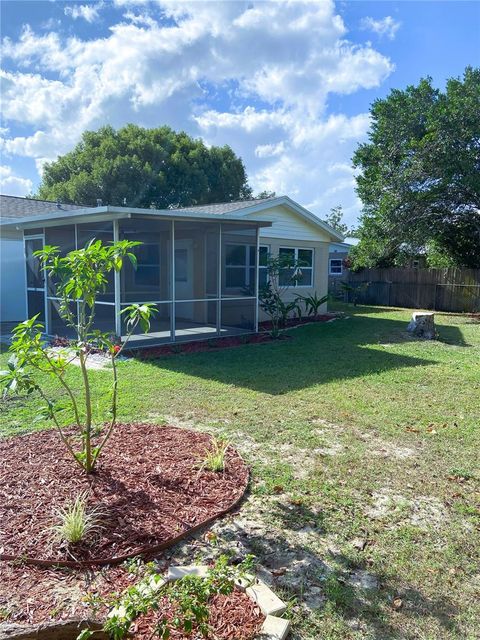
column 437, row 289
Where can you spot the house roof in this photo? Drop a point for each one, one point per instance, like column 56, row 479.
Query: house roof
column 14, row 207
column 30, row 211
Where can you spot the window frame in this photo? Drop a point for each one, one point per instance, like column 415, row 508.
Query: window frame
column 312, row 268
column 245, row 267
column 335, row 273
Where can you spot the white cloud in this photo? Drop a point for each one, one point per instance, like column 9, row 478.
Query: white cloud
column 89, row 12
column 13, row 185
column 273, row 63
column 387, row 26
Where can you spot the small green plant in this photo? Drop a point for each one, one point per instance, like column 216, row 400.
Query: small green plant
column 283, row 272
column 76, row 521
column 214, row 459
column 189, row 597
column 78, row 278
column 313, row 303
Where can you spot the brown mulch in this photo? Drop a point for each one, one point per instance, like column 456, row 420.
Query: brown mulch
column 227, row 342
column 232, row 617
column 33, row 595
column 148, row 487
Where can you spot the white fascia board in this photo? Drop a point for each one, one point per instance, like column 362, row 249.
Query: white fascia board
column 291, row 204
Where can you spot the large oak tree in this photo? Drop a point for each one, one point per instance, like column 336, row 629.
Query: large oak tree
column 419, row 175
column 143, row 168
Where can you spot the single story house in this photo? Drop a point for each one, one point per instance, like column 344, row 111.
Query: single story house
column 200, row 265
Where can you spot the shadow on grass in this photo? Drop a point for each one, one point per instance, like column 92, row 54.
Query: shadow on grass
column 317, row 354
column 300, row 571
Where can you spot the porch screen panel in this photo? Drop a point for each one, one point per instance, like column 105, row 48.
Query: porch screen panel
column 64, row 239
column 195, row 320
column 239, row 259
column 98, row 231
column 150, row 280
column 196, row 260
column 238, row 316
column 160, row 326
column 36, row 305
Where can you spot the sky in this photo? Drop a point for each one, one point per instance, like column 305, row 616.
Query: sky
column 287, row 85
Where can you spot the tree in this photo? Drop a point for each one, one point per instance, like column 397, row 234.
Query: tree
column 419, row 178
column 143, row 168
column 335, row 220
column 78, row 278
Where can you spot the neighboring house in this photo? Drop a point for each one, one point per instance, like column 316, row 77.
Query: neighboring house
column 197, row 264
column 337, row 270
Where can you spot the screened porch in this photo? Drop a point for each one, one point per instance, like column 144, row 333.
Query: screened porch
column 202, row 276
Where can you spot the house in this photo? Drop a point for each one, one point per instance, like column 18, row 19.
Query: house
column 337, row 263
column 200, row 265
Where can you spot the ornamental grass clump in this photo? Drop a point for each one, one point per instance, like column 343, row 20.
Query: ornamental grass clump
column 77, row 279
column 214, row 459
column 77, row 522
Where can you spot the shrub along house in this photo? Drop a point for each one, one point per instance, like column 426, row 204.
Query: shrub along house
column 200, row 265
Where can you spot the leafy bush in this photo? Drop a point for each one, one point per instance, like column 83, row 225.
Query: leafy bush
column 189, row 596
column 78, row 278
column 282, row 273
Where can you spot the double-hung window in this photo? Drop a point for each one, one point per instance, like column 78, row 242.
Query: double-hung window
column 301, row 273
column 336, row 267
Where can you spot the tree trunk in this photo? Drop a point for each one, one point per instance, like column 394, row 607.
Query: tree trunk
column 422, row 325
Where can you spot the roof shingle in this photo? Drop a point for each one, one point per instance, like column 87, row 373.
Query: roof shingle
column 14, row 207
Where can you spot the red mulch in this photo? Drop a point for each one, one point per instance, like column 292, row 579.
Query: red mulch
column 147, row 485
column 33, row 595
column 232, row 617
column 213, row 344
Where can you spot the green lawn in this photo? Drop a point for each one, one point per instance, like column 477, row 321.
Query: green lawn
column 364, row 448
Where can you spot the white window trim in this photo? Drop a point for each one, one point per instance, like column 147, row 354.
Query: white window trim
column 335, row 273
column 312, row 268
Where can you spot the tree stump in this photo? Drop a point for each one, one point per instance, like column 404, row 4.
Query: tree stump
column 422, row 325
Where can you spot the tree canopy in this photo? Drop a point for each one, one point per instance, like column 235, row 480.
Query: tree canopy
column 419, row 175
column 144, row 167
column 335, row 220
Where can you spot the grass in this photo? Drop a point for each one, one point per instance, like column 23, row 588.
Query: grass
column 354, row 431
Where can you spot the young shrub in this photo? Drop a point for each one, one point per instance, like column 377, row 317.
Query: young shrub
column 78, row 279
column 76, row 522
column 313, row 303
column 214, row 459
column 282, row 273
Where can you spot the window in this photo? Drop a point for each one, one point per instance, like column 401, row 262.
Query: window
column 148, row 265
column 303, row 271
column 240, row 266
column 262, row 265
column 336, row 267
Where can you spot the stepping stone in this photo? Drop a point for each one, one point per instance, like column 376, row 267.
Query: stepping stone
column 269, row 603
column 274, row 628
column 177, row 572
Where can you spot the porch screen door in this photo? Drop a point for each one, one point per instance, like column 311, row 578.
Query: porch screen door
column 35, row 278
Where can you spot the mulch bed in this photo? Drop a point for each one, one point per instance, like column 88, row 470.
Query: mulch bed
column 148, row 486
column 33, row 595
column 232, row 617
column 214, row 344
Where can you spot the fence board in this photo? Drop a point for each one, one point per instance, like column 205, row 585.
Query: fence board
column 456, row 290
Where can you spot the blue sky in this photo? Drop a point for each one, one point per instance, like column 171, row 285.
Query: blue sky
column 287, row 84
